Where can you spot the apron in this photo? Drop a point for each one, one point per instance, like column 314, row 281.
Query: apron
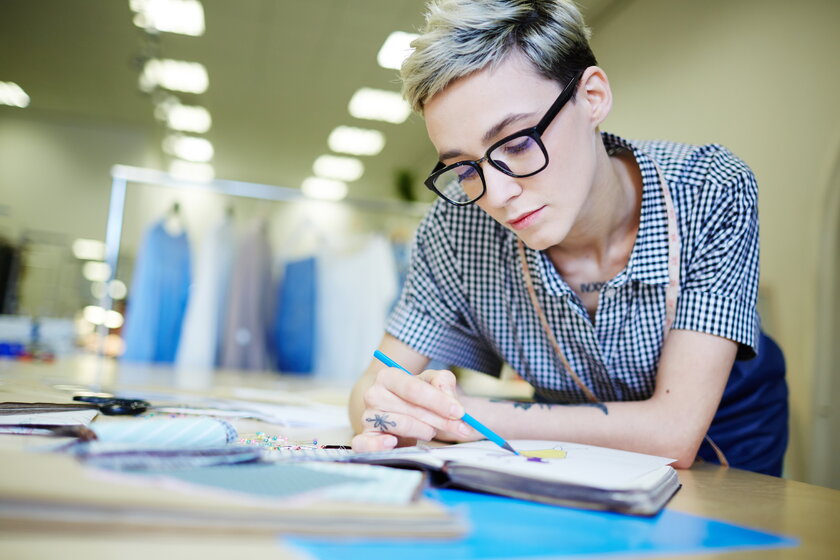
column 751, row 423
column 750, row 428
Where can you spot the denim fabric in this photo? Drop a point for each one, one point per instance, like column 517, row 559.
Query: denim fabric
column 294, row 328
column 158, row 297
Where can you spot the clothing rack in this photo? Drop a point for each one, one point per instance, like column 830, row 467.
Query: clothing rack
column 123, row 175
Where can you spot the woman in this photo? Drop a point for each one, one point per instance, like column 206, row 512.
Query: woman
column 607, row 272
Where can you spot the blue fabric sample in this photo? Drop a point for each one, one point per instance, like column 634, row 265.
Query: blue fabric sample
column 505, row 528
column 294, row 330
column 158, row 297
column 260, row 479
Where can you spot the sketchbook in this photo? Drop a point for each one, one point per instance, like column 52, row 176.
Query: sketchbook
column 568, row 474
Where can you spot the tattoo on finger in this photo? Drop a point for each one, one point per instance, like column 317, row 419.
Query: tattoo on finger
column 381, row 422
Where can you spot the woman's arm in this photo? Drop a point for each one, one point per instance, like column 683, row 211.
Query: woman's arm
column 693, row 371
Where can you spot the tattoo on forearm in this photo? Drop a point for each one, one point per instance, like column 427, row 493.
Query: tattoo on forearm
column 599, row 405
column 525, row 405
column 381, row 422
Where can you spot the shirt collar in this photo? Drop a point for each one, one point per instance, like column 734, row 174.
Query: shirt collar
column 648, row 261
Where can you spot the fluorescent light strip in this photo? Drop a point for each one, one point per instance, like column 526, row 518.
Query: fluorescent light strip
column 190, row 148
column 324, row 189
column 380, row 105
column 338, row 167
column 89, row 249
column 192, row 171
column 356, row 141
column 12, row 94
column 96, row 271
column 186, row 118
column 185, row 17
column 174, row 75
column 395, row 49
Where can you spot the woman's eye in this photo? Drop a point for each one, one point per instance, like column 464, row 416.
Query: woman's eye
column 519, row 145
column 466, row 174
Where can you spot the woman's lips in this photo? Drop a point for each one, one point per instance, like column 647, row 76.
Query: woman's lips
column 526, row 219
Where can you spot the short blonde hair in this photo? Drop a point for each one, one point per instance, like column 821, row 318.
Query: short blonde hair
column 463, row 36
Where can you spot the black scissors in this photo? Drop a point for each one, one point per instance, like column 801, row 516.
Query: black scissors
column 114, row 406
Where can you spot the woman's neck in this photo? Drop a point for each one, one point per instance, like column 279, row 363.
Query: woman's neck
column 606, row 228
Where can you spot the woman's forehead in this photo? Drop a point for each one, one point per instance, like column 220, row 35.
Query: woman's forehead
column 461, row 115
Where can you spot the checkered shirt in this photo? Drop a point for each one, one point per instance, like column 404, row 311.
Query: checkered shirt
column 465, row 302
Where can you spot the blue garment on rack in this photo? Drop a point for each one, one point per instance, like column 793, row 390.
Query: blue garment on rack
column 294, row 329
column 250, row 303
column 158, row 297
column 204, row 321
column 402, row 263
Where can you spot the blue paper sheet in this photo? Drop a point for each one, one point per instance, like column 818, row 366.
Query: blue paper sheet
column 505, row 528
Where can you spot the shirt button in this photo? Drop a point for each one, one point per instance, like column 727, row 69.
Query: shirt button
column 609, row 293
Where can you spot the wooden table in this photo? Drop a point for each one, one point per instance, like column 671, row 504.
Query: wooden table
column 803, row 511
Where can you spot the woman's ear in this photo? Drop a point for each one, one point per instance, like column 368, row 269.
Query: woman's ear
column 594, row 91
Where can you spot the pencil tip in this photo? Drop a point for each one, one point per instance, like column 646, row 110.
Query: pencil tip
column 511, row 449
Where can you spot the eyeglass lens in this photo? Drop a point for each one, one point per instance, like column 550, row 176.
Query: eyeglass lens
column 518, row 156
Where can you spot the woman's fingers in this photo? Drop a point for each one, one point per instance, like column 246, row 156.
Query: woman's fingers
column 373, row 441
column 443, row 380
column 410, row 408
column 422, row 390
column 401, row 425
column 380, row 398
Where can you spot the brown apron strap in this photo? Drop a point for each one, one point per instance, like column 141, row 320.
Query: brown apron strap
column 544, row 322
column 721, row 457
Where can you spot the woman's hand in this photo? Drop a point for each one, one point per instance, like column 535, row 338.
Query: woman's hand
column 400, row 407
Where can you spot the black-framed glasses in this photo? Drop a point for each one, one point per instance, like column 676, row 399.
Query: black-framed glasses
column 520, row 154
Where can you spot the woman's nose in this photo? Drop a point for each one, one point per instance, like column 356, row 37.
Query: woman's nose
column 501, row 188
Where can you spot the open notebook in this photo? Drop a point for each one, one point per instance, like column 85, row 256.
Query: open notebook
column 552, row 472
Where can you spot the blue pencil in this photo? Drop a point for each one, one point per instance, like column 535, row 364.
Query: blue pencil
column 479, row 427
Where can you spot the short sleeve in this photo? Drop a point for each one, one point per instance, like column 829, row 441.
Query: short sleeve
column 719, row 286
column 432, row 315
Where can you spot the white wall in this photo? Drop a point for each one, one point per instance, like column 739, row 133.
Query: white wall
column 759, row 76
column 55, row 171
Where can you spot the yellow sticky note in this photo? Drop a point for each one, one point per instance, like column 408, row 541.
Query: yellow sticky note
column 545, row 453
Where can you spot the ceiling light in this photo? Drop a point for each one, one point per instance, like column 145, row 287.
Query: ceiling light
column 325, row 189
column 117, row 289
column 356, row 141
column 96, row 271
column 187, row 118
column 192, row 171
column 94, row 314
column 338, row 167
column 89, row 249
column 185, row 17
column 380, row 105
column 98, row 290
column 190, row 148
column 395, row 49
column 12, row 94
column 113, row 319
column 174, row 75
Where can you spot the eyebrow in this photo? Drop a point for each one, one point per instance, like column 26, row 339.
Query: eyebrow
column 491, row 133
